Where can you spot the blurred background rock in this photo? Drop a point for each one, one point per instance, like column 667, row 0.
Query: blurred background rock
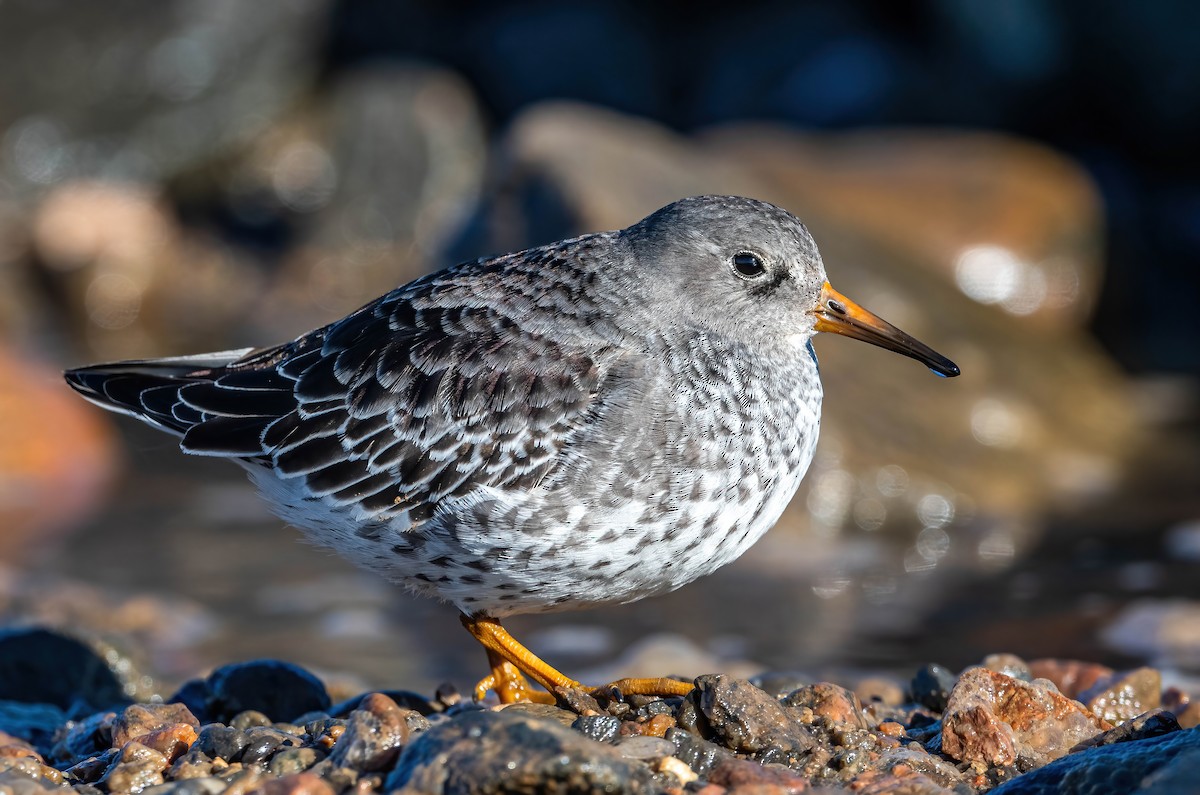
column 1014, row 183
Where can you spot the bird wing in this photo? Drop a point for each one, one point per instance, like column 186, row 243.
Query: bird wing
column 408, row 401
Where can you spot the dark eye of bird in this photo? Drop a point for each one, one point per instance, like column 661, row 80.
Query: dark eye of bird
column 748, row 266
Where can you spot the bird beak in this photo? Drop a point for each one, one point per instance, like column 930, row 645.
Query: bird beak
column 837, row 314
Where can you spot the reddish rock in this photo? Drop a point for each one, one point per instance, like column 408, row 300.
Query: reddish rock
column 994, row 719
column 1124, row 695
column 135, row 768
column 172, row 741
column 44, row 775
column 658, row 725
column 736, row 774
column 877, row 782
column 15, row 747
column 296, row 784
column 836, row 703
column 374, row 735
column 57, row 455
column 1189, row 715
column 1071, row 677
column 140, row 720
column 891, row 728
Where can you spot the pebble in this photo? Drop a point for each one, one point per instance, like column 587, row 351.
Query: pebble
column 222, row 742
column 374, row 734
column 748, row 720
column 135, row 768
column 836, row 703
column 994, row 719
column 931, row 686
column 1071, row 677
column 493, row 752
column 645, row 747
column 1121, row 696
column 601, row 728
column 697, row 753
column 727, row 736
column 138, row 721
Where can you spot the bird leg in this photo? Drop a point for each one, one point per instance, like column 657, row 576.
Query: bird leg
column 510, row 660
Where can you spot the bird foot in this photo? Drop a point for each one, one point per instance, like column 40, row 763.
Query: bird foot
column 653, row 686
column 509, row 685
column 511, row 662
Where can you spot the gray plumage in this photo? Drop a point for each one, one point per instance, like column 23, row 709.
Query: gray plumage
column 591, row 421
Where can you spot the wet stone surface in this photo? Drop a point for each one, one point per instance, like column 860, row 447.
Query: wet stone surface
column 997, row 732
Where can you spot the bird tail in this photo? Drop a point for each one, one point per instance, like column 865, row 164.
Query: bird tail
column 150, row 389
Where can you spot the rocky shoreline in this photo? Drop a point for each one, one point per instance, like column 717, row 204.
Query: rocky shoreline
column 1005, row 726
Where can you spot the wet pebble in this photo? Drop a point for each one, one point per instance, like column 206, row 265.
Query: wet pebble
column 493, row 752
column 698, row 754
column 994, row 719
column 931, row 686
column 742, row 775
column 207, row 785
column 156, row 725
column 263, row 741
column 135, row 768
column 375, row 733
column 1154, row 723
column 294, row 760
column 1121, row 696
column 837, row 704
column 297, row 784
column 1071, row 677
column 402, row 698
column 222, row 742
column 601, row 728
column 748, row 720
column 645, row 747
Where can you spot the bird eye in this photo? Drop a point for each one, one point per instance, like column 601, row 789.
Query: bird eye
column 748, row 266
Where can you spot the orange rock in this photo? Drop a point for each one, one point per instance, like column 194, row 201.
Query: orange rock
column 166, row 723
column 57, row 455
column 994, row 719
column 657, row 726
column 296, row 784
column 1071, row 677
column 941, row 197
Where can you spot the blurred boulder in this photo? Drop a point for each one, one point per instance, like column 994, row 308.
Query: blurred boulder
column 132, row 280
column 57, row 456
column 1039, row 421
column 1014, row 224
column 126, row 90
column 375, row 175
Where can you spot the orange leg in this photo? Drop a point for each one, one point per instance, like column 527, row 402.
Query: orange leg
column 509, row 660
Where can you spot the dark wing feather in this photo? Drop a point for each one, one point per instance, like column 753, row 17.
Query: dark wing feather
column 422, row 395
column 412, row 401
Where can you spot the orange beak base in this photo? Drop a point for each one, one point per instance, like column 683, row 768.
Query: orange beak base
column 837, row 314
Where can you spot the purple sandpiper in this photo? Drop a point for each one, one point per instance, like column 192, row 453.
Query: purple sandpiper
column 592, row 421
